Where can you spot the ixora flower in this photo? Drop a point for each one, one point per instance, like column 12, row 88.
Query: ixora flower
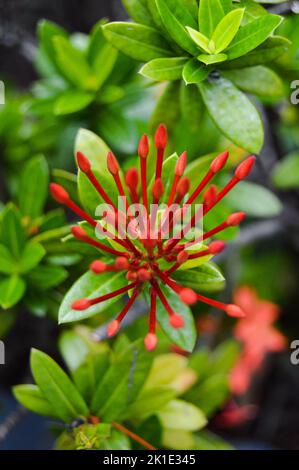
column 150, row 251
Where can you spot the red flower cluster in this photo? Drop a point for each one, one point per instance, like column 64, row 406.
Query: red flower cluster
column 257, row 334
column 141, row 260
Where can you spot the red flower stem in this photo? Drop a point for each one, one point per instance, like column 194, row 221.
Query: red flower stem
column 162, row 297
column 230, row 185
column 201, row 186
column 152, row 321
column 101, row 246
column 132, row 435
column 127, row 307
column 144, row 183
column 172, row 284
column 117, row 292
column 81, row 213
column 213, row 303
column 206, row 235
column 120, row 188
column 173, row 190
column 200, row 254
column 160, row 156
column 90, row 175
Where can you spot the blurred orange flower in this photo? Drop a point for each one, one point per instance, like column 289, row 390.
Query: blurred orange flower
column 258, row 335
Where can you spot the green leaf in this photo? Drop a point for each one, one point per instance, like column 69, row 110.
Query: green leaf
column 205, row 440
column 255, row 200
column 179, row 414
column 89, row 374
column 11, row 291
column 210, row 14
column 212, row 58
column 175, row 18
column 31, row 397
column 110, row 93
column 90, row 285
column 7, row 262
column 192, row 7
column 72, row 101
column 233, row 113
column 252, row 35
column 33, row 187
column 210, row 394
column 31, row 256
column 285, row 174
column 226, row 29
column 137, row 41
column 206, row 277
column 195, row 72
column 200, row 39
column 164, row 69
column 168, row 107
column 191, row 105
column 46, row 277
column 122, row 382
column 13, row 235
column 149, row 402
column 138, row 11
column 103, row 64
column 184, row 337
column 270, row 50
column 46, row 32
column 198, row 167
column 224, row 357
column 56, row 387
column 73, row 64
column 258, row 80
column 92, row 437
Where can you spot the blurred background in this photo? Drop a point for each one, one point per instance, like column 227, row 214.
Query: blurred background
column 261, row 265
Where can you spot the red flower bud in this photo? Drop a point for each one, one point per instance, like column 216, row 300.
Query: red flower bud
column 219, row 162
column 176, row 321
column 83, row 162
column 181, row 165
column 182, row 257
column 81, row 304
column 188, row 296
column 235, row 311
column 161, row 137
column 243, row 170
column 143, row 275
column 150, row 341
column 236, row 218
column 113, row 328
column 216, row 247
column 143, row 149
column 158, row 189
column 121, row 263
column 59, row 193
column 183, row 186
column 132, row 178
column 112, row 163
column 98, row 267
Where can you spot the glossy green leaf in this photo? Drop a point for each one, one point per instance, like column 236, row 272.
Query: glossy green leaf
column 12, row 233
column 138, row 11
column 73, row 64
column 225, row 357
column 122, row 382
column 233, row 113
column 104, row 63
column 149, row 402
column 210, row 394
column 164, row 69
column 226, row 29
column 192, row 7
column 259, row 80
column 206, row 277
column 209, row 59
column 46, row 277
column 90, row 285
column 11, row 291
column 46, row 32
column 210, row 14
column 184, row 337
column 33, row 187
column 137, row 41
column 270, row 50
column 175, row 18
column 31, row 398
column 285, row 174
column 200, row 39
column 7, row 262
column 254, row 199
column 117, row 441
column 56, row 387
column 96, row 41
column 72, row 101
column 31, row 256
column 195, row 72
column 206, row 440
column 191, row 105
column 179, row 414
column 89, row 374
column 252, row 35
